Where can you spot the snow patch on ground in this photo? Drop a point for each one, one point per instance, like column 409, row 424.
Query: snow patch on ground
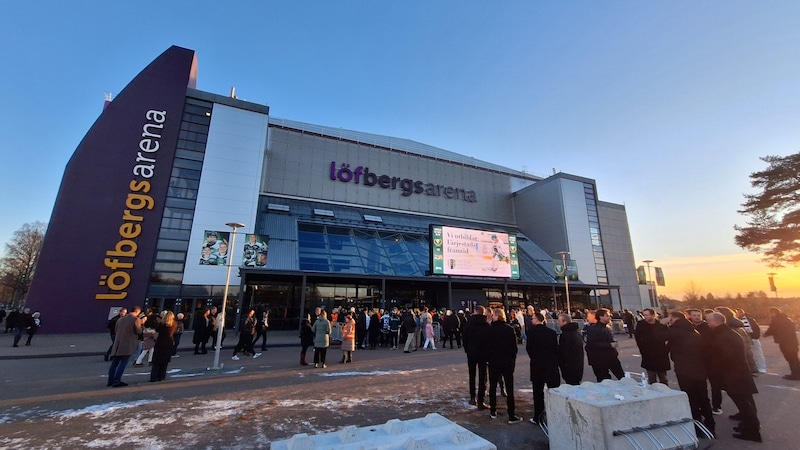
column 98, row 411
column 789, row 388
column 173, row 424
column 374, row 373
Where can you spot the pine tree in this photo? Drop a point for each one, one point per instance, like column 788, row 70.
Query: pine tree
column 773, row 226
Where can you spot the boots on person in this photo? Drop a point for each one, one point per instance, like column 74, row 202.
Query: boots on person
column 342, row 361
column 349, row 357
column 303, row 359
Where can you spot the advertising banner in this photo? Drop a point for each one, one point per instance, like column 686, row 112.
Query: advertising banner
column 215, row 248
column 660, row 277
column 463, row 251
column 641, row 274
column 570, row 270
column 255, row 251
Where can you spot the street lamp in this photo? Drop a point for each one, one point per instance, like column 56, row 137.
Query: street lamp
column 564, row 255
column 221, row 316
column 654, row 299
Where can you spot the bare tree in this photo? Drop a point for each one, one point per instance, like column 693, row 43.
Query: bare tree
column 19, row 262
column 692, row 294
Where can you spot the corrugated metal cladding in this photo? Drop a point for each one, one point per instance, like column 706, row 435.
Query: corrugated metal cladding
column 300, row 165
column 399, row 144
column 282, row 231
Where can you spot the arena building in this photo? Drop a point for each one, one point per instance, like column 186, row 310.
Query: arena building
column 331, row 218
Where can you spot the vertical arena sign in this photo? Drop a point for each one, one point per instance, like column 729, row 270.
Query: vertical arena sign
column 122, row 257
column 99, row 247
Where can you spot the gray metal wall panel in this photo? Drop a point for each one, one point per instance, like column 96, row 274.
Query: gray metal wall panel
column 618, row 249
column 282, row 231
column 299, row 165
column 540, row 215
column 398, row 144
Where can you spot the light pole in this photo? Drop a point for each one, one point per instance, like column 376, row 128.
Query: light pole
column 221, row 316
column 564, row 255
column 654, row 299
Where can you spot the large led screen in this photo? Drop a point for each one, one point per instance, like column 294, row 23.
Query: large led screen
column 477, row 253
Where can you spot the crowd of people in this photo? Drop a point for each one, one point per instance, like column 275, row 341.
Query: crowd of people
column 717, row 347
column 21, row 323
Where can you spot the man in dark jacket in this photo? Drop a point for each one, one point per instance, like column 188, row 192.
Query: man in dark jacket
column 409, row 326
column 686, row 350
column 737, row 326
column 601, row 348
column 453, row 327
column 728, row 363
column 570, row 350
column 630, row 322
column 361, row 328
column 502, row 358
column 782, row 330
column 651, row 340
column 542, row 348
column 476, row 337
column 11, row 319
column 22, row 324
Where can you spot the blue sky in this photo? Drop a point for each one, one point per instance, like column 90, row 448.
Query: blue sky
column 668, row 105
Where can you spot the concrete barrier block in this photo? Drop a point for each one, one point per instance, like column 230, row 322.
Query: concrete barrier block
column 587, row 416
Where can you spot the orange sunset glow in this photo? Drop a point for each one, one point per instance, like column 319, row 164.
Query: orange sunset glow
column 725, row 274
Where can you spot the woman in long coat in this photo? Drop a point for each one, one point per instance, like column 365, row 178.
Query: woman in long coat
column 322, row 333
column 201, row 332
column 162, row 352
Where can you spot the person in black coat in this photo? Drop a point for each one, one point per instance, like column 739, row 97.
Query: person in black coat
column 782, row 330
column 22, row 323
column 501, row 359
column 11, row 320
column 476, row 338
column 453, row 327
column 162, row 352
column 630, row 322
column 601, row 348
column 729, row 364
column 652, row 343
column 542, row 348
column 686, row 350
column 570, row 350
column 361, row 328
column 408, row 326
column 201, row 331
column 306, row 340
column 374, row 330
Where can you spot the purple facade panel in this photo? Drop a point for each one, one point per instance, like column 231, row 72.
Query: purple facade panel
column 100, row 243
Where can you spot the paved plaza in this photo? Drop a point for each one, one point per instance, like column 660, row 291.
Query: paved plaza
column 53, row 395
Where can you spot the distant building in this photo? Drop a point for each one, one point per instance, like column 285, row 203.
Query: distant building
column 332, row 218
